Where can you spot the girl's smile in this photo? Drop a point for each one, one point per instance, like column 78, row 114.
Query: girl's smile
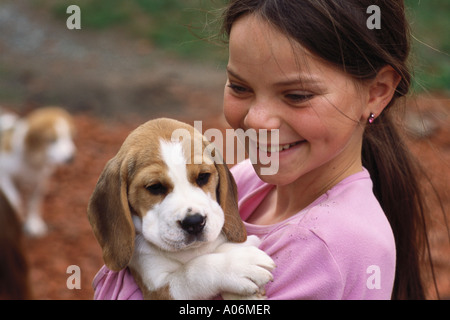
column 278, row 148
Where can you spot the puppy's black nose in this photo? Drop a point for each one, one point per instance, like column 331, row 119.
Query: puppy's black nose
column 193, row 224
column 70, row 159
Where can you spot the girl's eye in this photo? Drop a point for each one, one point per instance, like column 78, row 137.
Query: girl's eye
column 237, row 88
column 297, row 98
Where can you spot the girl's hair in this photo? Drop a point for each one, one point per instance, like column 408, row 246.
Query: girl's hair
column 336, row 31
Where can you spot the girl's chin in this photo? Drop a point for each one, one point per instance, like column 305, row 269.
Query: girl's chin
column 273, row 175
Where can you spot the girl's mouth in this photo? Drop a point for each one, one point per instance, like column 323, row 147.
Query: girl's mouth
column 278, row 148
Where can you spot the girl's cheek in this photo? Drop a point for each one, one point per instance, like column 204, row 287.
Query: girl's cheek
column 234, row 111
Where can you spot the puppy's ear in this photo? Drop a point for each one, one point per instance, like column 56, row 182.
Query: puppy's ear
column 110, row 217
column 233, row 228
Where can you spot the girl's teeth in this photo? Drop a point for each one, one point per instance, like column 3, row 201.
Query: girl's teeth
column 278, row 148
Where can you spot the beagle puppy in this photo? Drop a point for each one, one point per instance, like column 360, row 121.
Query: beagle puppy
column 31, row 148
column 166, row 210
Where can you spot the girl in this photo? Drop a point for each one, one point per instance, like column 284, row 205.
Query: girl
column 342, row 216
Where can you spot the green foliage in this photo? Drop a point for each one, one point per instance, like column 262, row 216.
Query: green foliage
column 179, row 26
column 430, row 25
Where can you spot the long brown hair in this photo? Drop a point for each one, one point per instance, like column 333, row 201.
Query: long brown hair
column 336, row 31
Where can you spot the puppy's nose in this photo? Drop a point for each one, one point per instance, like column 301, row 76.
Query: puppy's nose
column 193, row 224
column 70, row 159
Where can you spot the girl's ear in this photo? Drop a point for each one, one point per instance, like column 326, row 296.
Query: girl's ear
column 381, row 90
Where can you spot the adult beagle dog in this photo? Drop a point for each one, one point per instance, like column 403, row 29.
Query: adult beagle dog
column 166, row 210
column 31, row 148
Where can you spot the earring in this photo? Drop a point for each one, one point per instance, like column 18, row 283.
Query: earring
column 371, row 118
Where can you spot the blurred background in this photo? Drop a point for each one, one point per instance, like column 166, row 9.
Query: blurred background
column 139, row 59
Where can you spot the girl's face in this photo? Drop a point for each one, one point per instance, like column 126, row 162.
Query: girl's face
column 273, row 83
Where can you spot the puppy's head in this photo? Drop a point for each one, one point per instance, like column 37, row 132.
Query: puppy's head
column 49, row 136
column 171, row 192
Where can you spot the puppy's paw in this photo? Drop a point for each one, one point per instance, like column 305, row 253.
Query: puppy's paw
column 35, row 227
column 252, row 241
column 248, row 271
column 261, row 295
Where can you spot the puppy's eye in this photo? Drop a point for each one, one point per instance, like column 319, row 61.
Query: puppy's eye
column 157, row 189
column 203, row 179
column 51, row 139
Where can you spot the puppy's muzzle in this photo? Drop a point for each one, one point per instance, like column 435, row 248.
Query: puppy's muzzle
column 193, row 224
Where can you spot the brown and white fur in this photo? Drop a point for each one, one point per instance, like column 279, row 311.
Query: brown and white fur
column 173, row 222
column 31, row 148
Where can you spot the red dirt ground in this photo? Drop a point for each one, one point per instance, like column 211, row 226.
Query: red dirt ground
column 70, row 240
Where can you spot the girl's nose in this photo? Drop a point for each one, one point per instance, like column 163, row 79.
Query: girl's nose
column 262, row 115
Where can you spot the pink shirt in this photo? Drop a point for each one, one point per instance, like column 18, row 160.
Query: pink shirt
column 340, row 247
column 111, row 285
